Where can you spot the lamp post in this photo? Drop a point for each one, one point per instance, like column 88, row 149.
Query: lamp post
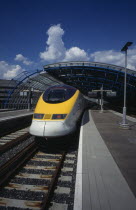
column 124, row 124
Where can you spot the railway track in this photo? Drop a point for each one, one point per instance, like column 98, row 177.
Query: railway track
column 12, row 139
column 29, row 178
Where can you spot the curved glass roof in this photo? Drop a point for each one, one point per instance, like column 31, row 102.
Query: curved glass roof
column 85, row 76
column 27, row 89
column 88, row 76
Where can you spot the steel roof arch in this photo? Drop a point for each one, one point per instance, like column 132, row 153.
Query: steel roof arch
column 84, row 75
column 74, row 73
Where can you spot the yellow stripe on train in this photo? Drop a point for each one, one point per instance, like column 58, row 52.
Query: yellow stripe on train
column 59, row 108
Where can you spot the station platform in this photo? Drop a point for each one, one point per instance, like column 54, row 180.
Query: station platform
column 106, row 168
column 7, row 115
column 14, row 120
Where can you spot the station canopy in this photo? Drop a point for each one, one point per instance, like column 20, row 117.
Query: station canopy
column 88, row 76
column 85, row 76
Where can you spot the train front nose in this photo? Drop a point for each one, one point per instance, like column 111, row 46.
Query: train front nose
column 37, row 128
column 55, row 129
column 48, row 128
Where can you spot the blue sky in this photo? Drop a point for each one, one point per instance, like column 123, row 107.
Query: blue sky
column 37, row 32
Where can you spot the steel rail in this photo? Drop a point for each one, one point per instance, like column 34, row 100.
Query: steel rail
column 11, row 167
column 13, row 142
column 46, row 202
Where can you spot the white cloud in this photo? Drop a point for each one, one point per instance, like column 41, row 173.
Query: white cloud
column 9, row 71
column 20, row 57
column 132, row 58
column 56, row 51
column 116, row 58
column 76, row 54
column 109, row 56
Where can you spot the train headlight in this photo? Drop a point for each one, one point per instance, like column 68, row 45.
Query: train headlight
column 38, row 116
column 59, row 116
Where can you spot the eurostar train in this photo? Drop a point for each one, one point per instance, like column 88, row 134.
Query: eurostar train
column 57, row 112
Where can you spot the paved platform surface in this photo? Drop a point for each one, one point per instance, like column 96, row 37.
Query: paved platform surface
column 13, row 114
column 106, row 174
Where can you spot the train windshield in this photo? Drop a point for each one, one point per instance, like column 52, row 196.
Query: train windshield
column 58, row 95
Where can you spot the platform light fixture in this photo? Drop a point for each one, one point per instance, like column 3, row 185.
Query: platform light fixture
column 124, row 124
